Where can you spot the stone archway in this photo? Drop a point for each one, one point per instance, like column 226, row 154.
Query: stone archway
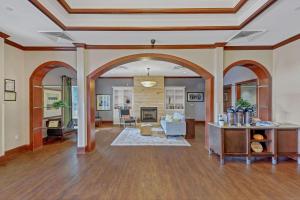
column 36, row 100
column 209, row 87
column 264, row 86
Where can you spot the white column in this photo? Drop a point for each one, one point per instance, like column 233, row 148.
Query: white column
column 2, row 128
column 274, row 86
column 81, row 83
column 218, row 88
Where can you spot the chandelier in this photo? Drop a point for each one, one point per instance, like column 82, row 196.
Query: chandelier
column 148, row 83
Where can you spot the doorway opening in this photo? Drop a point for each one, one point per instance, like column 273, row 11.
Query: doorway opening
column 250, row 82
column 53, row 102
column 92, row 77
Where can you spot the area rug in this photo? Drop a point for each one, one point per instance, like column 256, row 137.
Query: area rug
column 132, row 137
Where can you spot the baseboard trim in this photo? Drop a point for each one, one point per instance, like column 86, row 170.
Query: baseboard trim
column 199, row 121
column 19, row 149
column 108, row 122
column 12, row 153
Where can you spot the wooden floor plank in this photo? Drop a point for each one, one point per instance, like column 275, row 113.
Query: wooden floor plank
column 57, row 172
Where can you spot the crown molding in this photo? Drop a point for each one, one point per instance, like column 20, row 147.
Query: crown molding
column 71, row 10
column 179, row 46
column 79, row 45
column 287, row 41
column 175, row 46
column 14, row 44
column 258, row 47
column 52, row 17
column 48, row 48
column 3, row 35
column 38, row 48
column 264, row 47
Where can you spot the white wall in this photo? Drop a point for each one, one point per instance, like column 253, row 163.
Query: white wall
column 286, row 83
column 15, row 110
column 2, row 118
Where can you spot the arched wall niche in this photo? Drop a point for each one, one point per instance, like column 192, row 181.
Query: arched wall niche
column 264, row 86
column 36, row 100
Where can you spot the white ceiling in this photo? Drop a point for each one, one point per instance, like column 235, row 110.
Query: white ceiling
column 25, row 21
column 152, row 4
column 157, row 68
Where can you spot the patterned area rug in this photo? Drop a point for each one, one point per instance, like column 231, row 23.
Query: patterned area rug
column 132, row 137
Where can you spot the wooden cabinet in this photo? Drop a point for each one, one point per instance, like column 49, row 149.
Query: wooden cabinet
column 122, row 97
column 190, row 129
column 278, row 141
column 175, row 99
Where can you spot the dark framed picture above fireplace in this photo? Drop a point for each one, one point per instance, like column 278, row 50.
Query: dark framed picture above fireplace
column 195, row 97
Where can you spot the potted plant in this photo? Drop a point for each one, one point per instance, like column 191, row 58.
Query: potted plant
column 243, row 104
column 58, row 104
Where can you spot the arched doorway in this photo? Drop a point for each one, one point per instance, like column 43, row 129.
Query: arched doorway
column 209, row 87
column 264, row 86
column 36, row 100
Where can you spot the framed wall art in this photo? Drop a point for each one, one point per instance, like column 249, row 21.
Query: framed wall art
column 50, row 97
column 10, row 96
column 9, row 85
column 103, row 102
column 195, row 96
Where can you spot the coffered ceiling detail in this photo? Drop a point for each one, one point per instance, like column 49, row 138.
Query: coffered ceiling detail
column 151, row 22
column 34, row 23
column 153, row 7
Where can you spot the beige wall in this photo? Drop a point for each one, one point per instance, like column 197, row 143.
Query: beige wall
column 32, row 60
column 264, row 57
column 14, row 112
column 19, row 65
column 149, row 97
column 202, row 57
column 286, row 83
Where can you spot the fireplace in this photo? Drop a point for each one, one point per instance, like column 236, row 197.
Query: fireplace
column 148, row 114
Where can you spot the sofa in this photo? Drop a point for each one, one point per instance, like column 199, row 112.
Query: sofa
column 173, row 125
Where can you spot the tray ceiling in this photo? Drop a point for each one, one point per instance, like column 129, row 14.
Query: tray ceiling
column 146, row 6
column 151, row 4
column 154, row 22
column 25, row 21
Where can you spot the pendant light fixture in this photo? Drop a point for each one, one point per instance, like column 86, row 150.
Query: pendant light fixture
column 148, row 83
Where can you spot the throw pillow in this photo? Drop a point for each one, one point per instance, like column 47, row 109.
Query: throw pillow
column 169, row 118
column 178, row 116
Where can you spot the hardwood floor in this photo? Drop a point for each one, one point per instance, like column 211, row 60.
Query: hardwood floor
column 57, row 172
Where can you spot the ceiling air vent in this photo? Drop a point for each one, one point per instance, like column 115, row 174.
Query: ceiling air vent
column 57, row 36
column 249, row 35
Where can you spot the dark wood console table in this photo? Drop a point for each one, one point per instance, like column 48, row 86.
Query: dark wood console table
column 282, row 140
